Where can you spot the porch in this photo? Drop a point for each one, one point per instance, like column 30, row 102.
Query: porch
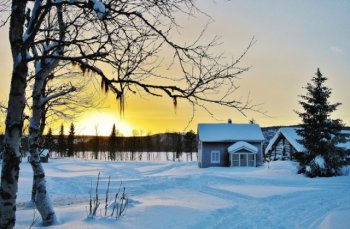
column 242, row 154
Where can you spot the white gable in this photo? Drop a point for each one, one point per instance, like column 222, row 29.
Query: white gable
column 226, row 132
column 291, row 135
column 242, row 145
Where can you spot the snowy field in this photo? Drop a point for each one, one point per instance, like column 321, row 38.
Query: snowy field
column 180, row 195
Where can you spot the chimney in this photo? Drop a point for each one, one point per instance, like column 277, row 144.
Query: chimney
column 229, row 121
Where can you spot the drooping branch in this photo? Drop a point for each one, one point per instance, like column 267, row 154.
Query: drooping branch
column 200, row 85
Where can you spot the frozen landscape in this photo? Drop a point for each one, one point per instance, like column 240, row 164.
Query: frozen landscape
column 181, row 195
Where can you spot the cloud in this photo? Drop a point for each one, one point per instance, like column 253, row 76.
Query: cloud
column 336, row 49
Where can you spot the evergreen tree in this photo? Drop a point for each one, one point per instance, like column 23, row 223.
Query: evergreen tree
column 96, row 143
column 70, row 140
column 148, row 144
column 49, row 142
column 178, row 145
column 61, row 141
column 320, row 134
column 157, row 145
column 190, row 143
column 112, row 141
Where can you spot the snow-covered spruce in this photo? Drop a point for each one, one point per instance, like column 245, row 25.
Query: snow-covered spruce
column 320, row 135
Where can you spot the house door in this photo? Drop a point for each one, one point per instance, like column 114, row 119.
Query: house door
column 243, row 159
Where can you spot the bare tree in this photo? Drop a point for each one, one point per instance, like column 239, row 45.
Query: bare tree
column 43, row 67
column 144, row 31
column 27, row 28
column 126, row 35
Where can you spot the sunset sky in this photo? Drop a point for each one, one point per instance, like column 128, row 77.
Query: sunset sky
column 294, row 38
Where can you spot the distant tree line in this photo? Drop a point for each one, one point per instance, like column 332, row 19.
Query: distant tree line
column 173, row 143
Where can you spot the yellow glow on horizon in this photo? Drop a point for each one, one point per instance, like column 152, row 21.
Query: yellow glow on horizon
column 102, row 123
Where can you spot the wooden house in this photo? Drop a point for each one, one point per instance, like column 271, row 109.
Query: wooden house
column 228, row 144
column 285, row 144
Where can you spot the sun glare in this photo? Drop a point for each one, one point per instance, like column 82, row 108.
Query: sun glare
column 102, row 123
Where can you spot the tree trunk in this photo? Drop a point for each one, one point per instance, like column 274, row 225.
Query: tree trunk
column 14, row 119
column 39, row 193
column 42, row 199
column 11, row 154
column 33, row 190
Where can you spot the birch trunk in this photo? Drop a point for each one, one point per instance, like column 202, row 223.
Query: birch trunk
column 14, row 119
column 39, row 193
column 41, row 198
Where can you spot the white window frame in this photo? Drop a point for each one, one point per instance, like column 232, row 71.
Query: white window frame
column 215, row 156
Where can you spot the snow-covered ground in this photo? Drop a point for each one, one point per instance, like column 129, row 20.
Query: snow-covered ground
column 180, row 195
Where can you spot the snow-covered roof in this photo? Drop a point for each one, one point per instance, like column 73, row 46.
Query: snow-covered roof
column 226, row 132
column 291, row 135
column 44, row 153
column 242, row 145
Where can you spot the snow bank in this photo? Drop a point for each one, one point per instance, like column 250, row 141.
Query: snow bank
column 180, row 195
column 261, row 191
column 338, row 219
column 183, row 198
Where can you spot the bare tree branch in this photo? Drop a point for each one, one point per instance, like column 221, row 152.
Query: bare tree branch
column 3, row 108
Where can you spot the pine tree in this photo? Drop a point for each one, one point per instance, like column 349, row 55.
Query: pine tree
column 148, row 143
column 70, row 140
column 190, row 143
column 112, row 143
column 320, row 134
column 61, row 141
column 49, row 142
column 96, row 143
column 178, row 145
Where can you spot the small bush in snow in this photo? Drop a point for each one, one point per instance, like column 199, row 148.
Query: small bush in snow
column 117, row 207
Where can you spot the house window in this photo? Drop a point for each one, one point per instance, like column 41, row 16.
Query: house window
column 215, row 156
